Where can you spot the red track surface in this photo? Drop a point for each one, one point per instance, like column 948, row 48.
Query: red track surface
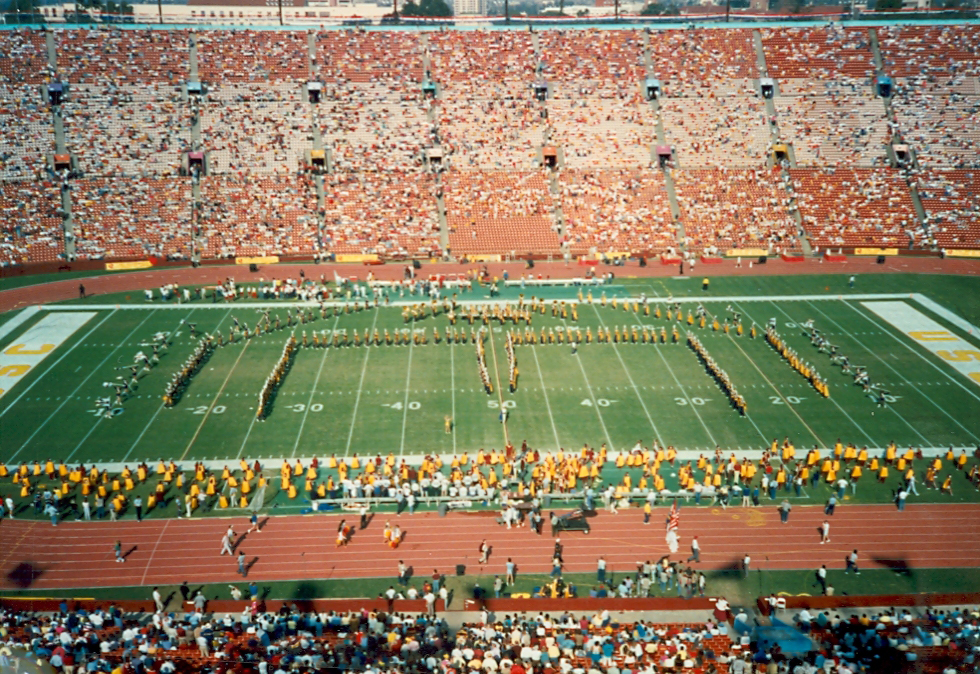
column 114, row 283
column 79, row 554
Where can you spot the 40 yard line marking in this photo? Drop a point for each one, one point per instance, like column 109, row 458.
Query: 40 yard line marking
column 632, row 383
column 408, row 379
column 360, row 388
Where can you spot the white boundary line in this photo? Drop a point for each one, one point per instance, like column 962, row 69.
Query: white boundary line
column 18, row 320
column 900, row 375
column 547, row 403
column 636, row 389
column 360, row 385
column 52, row 366
column 146, row 569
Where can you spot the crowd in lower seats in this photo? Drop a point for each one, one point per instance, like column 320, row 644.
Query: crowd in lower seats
column 951, row 199
column 735, row 208
column 616, row 210
column 32, row 227
column 856, row 207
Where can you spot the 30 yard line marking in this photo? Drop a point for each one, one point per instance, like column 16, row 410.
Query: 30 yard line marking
column 216, row 397
column 547, row 403
column 89, row 376
column 360, row 387
column 316, row 381
column 632, row 383
column 883, row 362
column 55, row 363
column 162, row 406
column 408, row 379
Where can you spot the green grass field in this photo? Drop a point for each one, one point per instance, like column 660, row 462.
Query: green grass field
column 394, row 399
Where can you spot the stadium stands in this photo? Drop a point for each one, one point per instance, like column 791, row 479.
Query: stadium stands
column 625, row 210
column 735, row 208
column 126, row 118
column 951, row 199
column 31, row 230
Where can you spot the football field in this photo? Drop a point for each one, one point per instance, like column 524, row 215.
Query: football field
column 381, row 399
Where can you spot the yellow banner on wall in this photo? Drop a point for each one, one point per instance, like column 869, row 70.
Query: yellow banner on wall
column 357, row 257
column 963, row 253
column 746, row 252
column 876, row 251
column 125, row 266
column 269, row 259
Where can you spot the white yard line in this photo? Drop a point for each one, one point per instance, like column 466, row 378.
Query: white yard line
column 547, row 403
column 306, row 412
column 215, row 400
column 452, row 382
column 55, row 363
column 636, row 389
column 360, row 387
column 77, row 388
column 162, row 406
column 500, row 390
column 408, row 380
column 899, row 374
column 858, row 426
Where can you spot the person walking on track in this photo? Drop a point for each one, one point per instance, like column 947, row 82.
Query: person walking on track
column 118, row 550
column 227, row 541
column 825, row 532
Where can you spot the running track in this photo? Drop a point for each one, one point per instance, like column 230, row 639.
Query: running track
column 167, row 552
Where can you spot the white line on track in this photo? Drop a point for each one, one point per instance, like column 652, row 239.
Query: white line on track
column 153, row 552
column 55, row 363
column 360, row 386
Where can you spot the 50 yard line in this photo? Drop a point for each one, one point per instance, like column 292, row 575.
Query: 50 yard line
column 408, row 380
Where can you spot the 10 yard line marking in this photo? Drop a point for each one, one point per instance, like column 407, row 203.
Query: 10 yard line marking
column 882, row 361
column 360, row 388
column 54, row 364
column 632, row 383
column 408, row 379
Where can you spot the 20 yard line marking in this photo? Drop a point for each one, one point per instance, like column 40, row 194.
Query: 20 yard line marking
column 216, row 397
column 360, row 387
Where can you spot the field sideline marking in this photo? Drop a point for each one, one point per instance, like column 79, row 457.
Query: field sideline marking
column 858, row 426
column 547, row 403
column 309, row 402
column 630, row 377
column 98, row 422
column 921, row 392
column 360, row 385
column 408, row 379
column 22, row 317
column 55, row 363
column 162, row 405
column 216, row 397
